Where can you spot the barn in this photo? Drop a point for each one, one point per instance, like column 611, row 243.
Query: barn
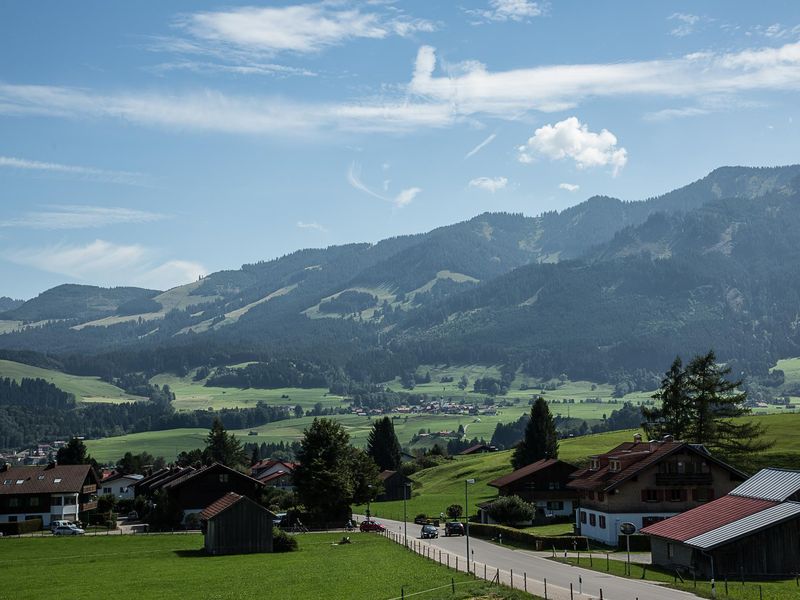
column 235, row 524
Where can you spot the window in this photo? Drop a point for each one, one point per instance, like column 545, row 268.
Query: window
column 592, row 519
column 106, row 490
column 647, row 521
column 614, row 466
column 56, row 501
column 555, row 505
column 12, row 519
column 33, row 501
column 69, row 500
column 40, row 477
column 595, row 465
column 20, row 481
column 650, row 495
column 671, row 551
column 602, row 521
column 676, row 495
column 555, row 485
column 7, row 482
column 223, row 478
column 703, row 494
column 583, row 516
column 601, row 496
column 13, row 502
column 57, row 480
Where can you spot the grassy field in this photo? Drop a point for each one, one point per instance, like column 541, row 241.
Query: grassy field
column 85, row 389
column 164, row 567
column 770, row 590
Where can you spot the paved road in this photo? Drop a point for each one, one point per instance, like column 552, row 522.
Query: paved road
column 535, row 566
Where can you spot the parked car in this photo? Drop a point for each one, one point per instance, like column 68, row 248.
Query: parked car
column 429, row 532
column 423, row 520
column 133, row 516
column 371, row 526
column 453, row 528
column 68, row 530
column 56, row 524
column 279, row 519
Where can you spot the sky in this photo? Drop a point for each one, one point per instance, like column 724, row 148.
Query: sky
column 150, row 143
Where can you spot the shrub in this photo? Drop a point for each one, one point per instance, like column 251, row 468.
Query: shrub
column 528, row 539
column 454, row 511
column 20, row 527
column 282, row 541
column 510, row 510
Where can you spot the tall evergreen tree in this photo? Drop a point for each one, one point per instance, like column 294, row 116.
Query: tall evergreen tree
column 383, row 446
column 541, row 438
column 224, row 447
column 75, row 453
column 672, row 414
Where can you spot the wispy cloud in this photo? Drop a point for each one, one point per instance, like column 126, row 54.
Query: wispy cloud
column 80, row 217
column 685, row 23
column 572, row 139
column 312, row 225
column 570, row 187
column 489, row 184
column 481, row 146
column 402, row 199
column 246, row 68
column 91, row 173
column 507, row 10
column 107, row 263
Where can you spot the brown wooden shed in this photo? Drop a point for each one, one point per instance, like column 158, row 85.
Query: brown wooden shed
column 235, row 524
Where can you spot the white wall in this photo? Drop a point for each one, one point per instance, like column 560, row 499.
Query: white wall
column 610, row 534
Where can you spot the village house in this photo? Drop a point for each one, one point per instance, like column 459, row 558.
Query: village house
column 269, row 466
column 235, row 524
column 753, row 531
column 478, row 449
column 194, row 489
column 394, row 486
column 50, row 492
column 120, row 486
column 543, row 484
column 645, row 482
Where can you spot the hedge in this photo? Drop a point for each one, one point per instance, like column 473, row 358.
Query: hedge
column 526, row 538
column 20, row 527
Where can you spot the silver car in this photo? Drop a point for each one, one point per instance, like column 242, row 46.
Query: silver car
column 68, row 530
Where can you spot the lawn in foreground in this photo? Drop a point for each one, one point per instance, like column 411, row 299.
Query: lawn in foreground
column 770, row 590
column 167, row 567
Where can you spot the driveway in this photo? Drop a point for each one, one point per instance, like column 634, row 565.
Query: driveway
column 531, row 569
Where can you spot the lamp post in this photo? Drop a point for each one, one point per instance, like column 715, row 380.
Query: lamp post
column 369, row 498
column 467, row 482
column 406, row 488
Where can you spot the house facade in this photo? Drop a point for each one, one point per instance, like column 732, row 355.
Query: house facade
column 544, row 484
column 754, row 531
column 49, row 492
column 120, row 486
column 235, row 524
column 394, row 483
column 643, row 482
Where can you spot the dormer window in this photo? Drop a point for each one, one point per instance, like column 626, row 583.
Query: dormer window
column 595, row 465
column 614, row 466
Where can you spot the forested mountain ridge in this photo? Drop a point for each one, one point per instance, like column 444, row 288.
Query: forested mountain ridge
column 600, row 288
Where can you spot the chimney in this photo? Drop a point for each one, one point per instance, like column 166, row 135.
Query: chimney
column 52, row 464
column 669, row 438
column 637, row 438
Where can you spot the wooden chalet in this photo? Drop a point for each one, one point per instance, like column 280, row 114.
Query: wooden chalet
column 394, row 486
column 478, row 449
column 235, row 524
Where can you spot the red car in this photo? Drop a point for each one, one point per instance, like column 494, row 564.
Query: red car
column 371, row 526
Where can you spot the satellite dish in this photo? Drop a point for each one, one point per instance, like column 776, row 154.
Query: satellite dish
column 627, row 528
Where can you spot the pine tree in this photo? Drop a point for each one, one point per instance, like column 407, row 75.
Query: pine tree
column 383, row 446
column 672, row 414
column 540, row 440
column 223, row 447
column 75, row 453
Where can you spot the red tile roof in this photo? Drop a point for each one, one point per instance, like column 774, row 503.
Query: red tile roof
column 273, row 476
column 525, row 471
column 50, row 479
column 221, row 505
column 707, row 517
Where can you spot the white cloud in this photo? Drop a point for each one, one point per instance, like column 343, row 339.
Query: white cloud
column 312, row 225
column 570, row 187
column 300, row 28
column 80, row 217
column 107, row 263
column 126, row 177
column 247, row 68
column 572, row 139
column 402, row 199
column 480, row 146
column 489, row 184
column 685, row 23
column 676, row 113
column 508, row 10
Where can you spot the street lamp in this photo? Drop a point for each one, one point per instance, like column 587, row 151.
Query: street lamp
column 369, row 498
column 467, row 482
column 406, row 488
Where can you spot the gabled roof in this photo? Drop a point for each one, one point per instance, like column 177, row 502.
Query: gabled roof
column 769, row 517
column 114, row 476
column 273, row 476
column 49, row 479
column 268, row 463
column 227, row 501
column 635, row 457
column 536, row 467
column 770, row 484
column 707, row 517
column 478, row 447
column 183, row 479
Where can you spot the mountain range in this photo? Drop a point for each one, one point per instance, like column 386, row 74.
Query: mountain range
column 604, row 289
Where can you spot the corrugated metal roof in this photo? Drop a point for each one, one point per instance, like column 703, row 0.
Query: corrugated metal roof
column 707, row 517
column 743, row 527
column 770, row 484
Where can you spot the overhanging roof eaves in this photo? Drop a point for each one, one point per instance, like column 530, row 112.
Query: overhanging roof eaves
column 743, row 527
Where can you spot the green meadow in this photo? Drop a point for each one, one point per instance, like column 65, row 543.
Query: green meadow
column 85, row 389
column 165, row 567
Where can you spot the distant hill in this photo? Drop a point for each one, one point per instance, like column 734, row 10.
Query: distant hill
column 7, row 303
column 602, row 290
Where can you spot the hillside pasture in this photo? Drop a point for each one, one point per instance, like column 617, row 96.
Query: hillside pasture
column 165, row 567
column 85, row 389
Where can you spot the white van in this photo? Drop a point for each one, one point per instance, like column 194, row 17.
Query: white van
column 56, row 524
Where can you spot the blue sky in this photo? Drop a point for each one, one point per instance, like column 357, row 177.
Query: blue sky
column 148, row 143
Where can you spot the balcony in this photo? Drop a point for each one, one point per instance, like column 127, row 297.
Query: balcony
column 89, row 489
column 88, row 506
column 683, row 479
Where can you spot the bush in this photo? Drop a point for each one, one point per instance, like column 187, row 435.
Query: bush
column 20, row 527
column 510, row 510
column 454, row 511
column 528, row 539
column 282, row 541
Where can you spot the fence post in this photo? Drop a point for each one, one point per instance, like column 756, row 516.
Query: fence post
column 402, row 593
column 453, row 584
column 545, row 588
column 525, row 581
column 571, row 597
column 601, row 593
column 484, row 570
column 760, row 592
column 512, row 579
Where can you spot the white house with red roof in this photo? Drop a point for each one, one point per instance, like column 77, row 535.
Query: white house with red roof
column 119, row 485
column 753, row 531
column 643, row 482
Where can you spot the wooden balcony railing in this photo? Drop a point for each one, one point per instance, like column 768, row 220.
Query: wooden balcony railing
column 683, row 479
